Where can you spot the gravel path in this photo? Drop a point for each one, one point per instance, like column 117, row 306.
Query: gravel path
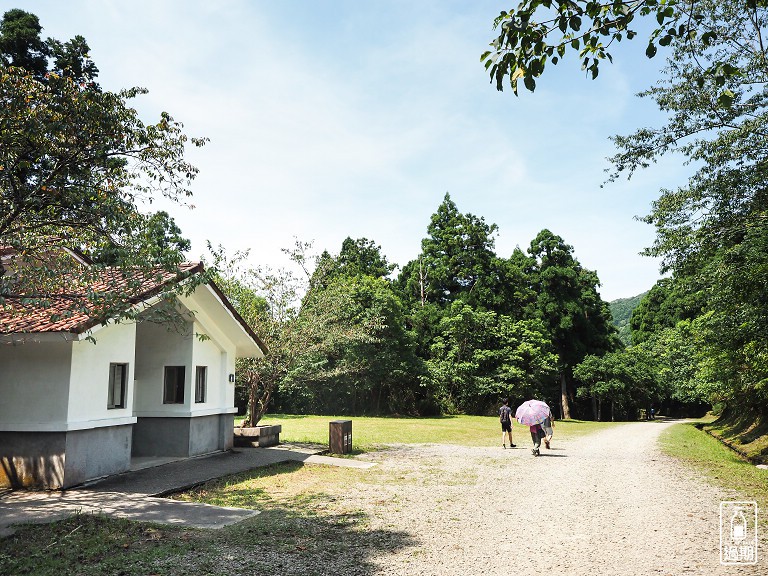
column 608, row 503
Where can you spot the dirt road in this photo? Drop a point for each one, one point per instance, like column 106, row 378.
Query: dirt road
column 607, row 503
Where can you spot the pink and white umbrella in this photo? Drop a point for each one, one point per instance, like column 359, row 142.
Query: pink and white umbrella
column 532, row 412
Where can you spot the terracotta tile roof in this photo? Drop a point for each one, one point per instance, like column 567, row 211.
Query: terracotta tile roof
column 69, row 313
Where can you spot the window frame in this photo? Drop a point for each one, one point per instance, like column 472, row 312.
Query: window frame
column 176, row 385
column 201, row 388
column 123, row 391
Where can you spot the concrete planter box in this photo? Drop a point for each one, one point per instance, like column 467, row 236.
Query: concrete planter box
column 260, row 436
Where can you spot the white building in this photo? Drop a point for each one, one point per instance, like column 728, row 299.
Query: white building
column 72, row 410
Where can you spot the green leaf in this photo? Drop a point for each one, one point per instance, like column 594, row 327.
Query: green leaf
column 530, row 83
column 651, row 50
column 709, row 37
column 726, row 98
column 575, row 23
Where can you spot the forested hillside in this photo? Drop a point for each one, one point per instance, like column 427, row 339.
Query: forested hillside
column 621, row 312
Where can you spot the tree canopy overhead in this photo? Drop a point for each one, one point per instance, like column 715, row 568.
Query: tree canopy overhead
column 78, row 167
column 541, row 32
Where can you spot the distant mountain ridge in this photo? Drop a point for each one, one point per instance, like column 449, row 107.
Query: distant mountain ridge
column 621, row 312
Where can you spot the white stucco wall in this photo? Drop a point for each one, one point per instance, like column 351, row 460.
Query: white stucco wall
column 156, row 348
column 210, row 317
column 89, row 380
column 34, row 385
column 218, row 356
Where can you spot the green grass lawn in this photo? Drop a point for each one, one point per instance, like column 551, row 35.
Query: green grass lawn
column 369, row 432
column 748, row 433
column 721, row 465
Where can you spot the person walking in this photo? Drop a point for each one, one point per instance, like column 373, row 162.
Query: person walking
column 532, row 413
column 505, row 417
column 536, row 435
column 549, row 429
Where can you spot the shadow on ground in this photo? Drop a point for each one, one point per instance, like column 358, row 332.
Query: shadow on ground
column 277, row 541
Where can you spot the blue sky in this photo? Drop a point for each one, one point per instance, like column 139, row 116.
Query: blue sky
column 347, row 118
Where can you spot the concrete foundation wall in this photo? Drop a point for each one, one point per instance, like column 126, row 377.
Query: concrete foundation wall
column 55, row 460
column 226, row 430
column 96, row 453
column 160, row 436
column 32, row 459
column 204, row 435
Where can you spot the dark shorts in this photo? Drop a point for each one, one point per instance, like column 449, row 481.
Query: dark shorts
column 506, row 426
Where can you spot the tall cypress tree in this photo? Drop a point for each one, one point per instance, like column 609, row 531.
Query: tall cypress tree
column 570, row 306
column 456, row 261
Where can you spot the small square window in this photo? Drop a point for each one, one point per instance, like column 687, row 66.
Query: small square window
column 118, row 375
column 201, row 383
column 173, row 387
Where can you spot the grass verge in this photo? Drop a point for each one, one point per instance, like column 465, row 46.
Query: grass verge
column 746, row 432
column 283, row 485
column 89, row 544
column 719, row 464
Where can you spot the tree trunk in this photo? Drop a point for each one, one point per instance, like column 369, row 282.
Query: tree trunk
column 595, row 414
column 613, row 419
column 565, row 408
column 251, row 410
column 599, row 410
column 266, row 396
